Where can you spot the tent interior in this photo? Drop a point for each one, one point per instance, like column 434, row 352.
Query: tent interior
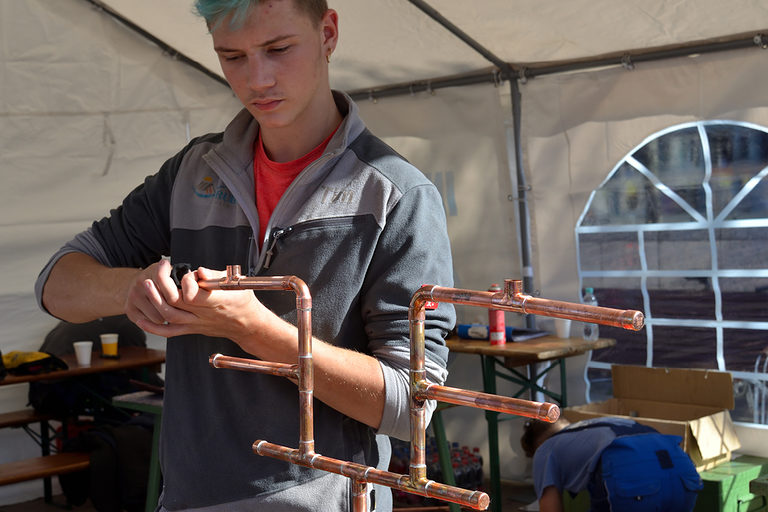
column 546, row 127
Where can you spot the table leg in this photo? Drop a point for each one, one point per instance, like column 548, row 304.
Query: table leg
column 563, row 387
column 492, row 417
column 45, row 445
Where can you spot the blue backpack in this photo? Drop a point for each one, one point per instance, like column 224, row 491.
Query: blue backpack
column 643, row 470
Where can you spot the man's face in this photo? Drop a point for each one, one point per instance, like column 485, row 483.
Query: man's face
column 276, row 61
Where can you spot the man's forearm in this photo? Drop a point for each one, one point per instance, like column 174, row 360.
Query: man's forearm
column 350, row 382
column 80, row 289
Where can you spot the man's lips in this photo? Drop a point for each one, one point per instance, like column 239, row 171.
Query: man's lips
column 266, row 105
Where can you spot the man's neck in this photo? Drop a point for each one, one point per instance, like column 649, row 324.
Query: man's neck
column 289, row 143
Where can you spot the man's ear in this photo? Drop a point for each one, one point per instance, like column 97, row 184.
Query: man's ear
column 330, row 31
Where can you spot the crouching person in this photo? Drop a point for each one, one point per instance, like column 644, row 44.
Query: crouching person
column 624, row 465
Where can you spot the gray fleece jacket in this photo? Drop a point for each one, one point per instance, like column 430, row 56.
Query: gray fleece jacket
column 362, row 227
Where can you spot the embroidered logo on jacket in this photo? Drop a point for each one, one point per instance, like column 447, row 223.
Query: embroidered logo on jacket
column 206, row 189
column 337, row 195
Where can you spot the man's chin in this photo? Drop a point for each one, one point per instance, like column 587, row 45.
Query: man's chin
column 268, row 119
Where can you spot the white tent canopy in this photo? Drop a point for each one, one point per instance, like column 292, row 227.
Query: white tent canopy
column 95, row 95
column 386, row 42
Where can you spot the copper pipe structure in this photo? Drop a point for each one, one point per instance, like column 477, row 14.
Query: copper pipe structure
column 416, row 481
column 301, row 372
column 511, row 298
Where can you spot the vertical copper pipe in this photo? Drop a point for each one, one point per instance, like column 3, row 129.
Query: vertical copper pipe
column 417, row 467
column 359, row 495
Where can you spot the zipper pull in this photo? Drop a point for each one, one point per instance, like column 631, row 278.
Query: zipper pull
column 276, row 233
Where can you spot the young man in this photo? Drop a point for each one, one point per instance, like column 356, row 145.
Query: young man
column 624, row 465
column 295, row 185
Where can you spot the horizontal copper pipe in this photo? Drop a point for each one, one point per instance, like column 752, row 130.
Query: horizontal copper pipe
column 512, row 299
column 538, row 410
column 290, row 371
column 477, row 500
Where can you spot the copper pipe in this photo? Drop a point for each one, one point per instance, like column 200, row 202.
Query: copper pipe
column 538, row 410
column 289, row 371
column 467, row 498
column 235, row 281
column 512, row 299
column 359, row 495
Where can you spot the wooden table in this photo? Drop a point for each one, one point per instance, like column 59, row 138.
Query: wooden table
column 147, row 359
column 503, row 361
column 129, row 358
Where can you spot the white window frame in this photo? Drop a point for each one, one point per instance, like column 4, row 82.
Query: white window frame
column 710, row 222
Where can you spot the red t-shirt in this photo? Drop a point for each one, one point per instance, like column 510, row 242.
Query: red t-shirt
column 273, row 178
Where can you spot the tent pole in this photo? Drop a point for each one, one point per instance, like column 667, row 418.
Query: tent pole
column 626, row 60
column 524, row 219
column 453, row 29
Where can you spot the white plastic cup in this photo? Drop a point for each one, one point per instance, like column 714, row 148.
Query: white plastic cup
column 108, row 344
column 83, row 352
column 563, row 327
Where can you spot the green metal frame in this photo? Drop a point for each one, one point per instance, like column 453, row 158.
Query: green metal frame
column 492, row 369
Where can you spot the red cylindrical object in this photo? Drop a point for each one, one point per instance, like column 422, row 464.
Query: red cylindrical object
column 497, row 332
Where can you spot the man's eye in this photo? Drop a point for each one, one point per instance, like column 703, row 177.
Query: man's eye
column 230, row 58
column 279, row 49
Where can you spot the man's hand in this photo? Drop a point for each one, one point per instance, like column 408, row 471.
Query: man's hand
column 151, row 297
column 155, row 304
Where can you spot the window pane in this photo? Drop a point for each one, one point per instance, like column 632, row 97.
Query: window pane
column 684, row 347
column 629, row 198
column 609, row 251
column 737, row 153
column 744, row 349
column 676, row 158
column 745, row 300
column 631, row 346
column 678, row 250
column 683, row 304
column 743, row 248
column 754, row 205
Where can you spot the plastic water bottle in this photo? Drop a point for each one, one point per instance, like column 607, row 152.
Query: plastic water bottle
column 590, row 330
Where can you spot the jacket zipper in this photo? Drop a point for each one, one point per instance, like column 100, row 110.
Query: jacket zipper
column 275, row 235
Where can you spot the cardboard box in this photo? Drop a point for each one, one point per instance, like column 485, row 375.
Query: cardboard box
column 691, row 403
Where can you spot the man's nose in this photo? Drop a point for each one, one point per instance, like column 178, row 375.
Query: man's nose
column 260, row 74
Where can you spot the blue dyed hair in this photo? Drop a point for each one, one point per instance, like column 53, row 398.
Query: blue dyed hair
column 214, row 11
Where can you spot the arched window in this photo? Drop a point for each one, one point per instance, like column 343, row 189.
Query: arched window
column 679, row 230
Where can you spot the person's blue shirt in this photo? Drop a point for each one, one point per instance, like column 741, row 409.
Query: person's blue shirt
column 568, row 459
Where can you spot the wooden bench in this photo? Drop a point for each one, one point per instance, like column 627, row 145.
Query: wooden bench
column 40, row 467
column 22, row 418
